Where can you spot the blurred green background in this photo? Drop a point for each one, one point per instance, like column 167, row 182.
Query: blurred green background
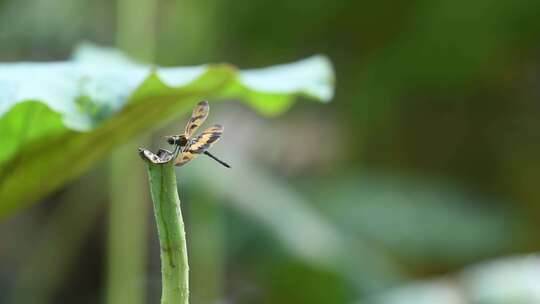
column 418, row 183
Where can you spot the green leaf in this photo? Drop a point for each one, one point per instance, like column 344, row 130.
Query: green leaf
column 57, row 119
column 408, row 216
column 280, row 209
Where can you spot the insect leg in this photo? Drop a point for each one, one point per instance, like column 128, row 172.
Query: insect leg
column 176, row 151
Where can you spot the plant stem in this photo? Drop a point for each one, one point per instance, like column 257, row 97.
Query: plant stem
column 172, row 237
column 127, row 244
column 128, row 213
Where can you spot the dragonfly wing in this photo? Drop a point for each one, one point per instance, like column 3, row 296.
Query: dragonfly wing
column 199, row 115
column 199, row 144
column 184, row 158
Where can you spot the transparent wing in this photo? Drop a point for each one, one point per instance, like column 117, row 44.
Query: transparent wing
column 199, row 115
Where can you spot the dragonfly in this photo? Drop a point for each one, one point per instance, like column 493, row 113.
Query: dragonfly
column 188, row 148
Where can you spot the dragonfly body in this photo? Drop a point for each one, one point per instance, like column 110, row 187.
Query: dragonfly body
column 178, row 140
column 187, row 148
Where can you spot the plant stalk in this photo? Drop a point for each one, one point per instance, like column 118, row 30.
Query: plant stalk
column 127, row 244
column 172, row 236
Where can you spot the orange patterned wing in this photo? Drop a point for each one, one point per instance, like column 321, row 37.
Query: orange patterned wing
column 184, row 158
column 199, row 144
column 197, row 118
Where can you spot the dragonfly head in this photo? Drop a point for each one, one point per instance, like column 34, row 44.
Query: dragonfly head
column 180, row 140
column 171, row 140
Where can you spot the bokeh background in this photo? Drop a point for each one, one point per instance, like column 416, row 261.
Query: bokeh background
column 418, row 183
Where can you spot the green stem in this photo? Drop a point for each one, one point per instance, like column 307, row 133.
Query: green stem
column 127, row 242
column 172, row 237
